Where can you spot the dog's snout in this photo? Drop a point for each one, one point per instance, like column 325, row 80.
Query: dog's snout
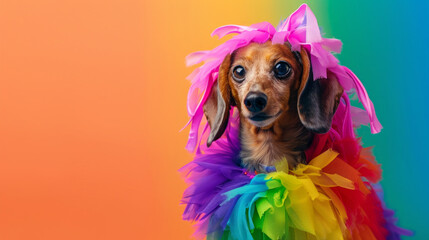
column 255, row 101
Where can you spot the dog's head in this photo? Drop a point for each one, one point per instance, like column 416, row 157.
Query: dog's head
column 266, row 82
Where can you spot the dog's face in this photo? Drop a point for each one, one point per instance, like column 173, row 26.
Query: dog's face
column 262, row 78
column 266, row 82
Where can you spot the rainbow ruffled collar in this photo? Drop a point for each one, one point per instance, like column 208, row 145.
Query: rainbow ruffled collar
column 334, row 196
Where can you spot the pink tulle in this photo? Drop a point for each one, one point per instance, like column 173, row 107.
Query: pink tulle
column 301, row 30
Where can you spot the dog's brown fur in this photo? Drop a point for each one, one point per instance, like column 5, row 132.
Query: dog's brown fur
column 298, row 105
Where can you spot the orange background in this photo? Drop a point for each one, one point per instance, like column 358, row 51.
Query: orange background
column 92, row 98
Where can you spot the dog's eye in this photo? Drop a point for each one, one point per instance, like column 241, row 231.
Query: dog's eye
column 239, row 73
column 282, row 70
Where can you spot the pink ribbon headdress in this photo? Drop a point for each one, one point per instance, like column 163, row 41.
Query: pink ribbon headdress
column 301, row 30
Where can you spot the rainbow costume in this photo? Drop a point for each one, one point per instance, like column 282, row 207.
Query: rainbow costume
column 334, row 196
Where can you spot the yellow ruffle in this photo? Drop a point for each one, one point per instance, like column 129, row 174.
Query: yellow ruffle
column 298, row 200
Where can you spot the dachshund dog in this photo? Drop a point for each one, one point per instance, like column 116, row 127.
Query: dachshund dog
column 279, row 103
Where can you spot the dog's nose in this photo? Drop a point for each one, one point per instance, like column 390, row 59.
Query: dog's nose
column 255, row 101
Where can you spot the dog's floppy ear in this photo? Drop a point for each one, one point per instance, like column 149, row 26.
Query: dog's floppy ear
column 317, row 100
column 218, row 104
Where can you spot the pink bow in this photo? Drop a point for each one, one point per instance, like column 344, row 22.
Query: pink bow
column 301, row 30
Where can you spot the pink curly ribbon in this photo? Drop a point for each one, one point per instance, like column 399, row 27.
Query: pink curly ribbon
column 301, row 30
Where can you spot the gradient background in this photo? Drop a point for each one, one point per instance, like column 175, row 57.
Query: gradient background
column 93, row 94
